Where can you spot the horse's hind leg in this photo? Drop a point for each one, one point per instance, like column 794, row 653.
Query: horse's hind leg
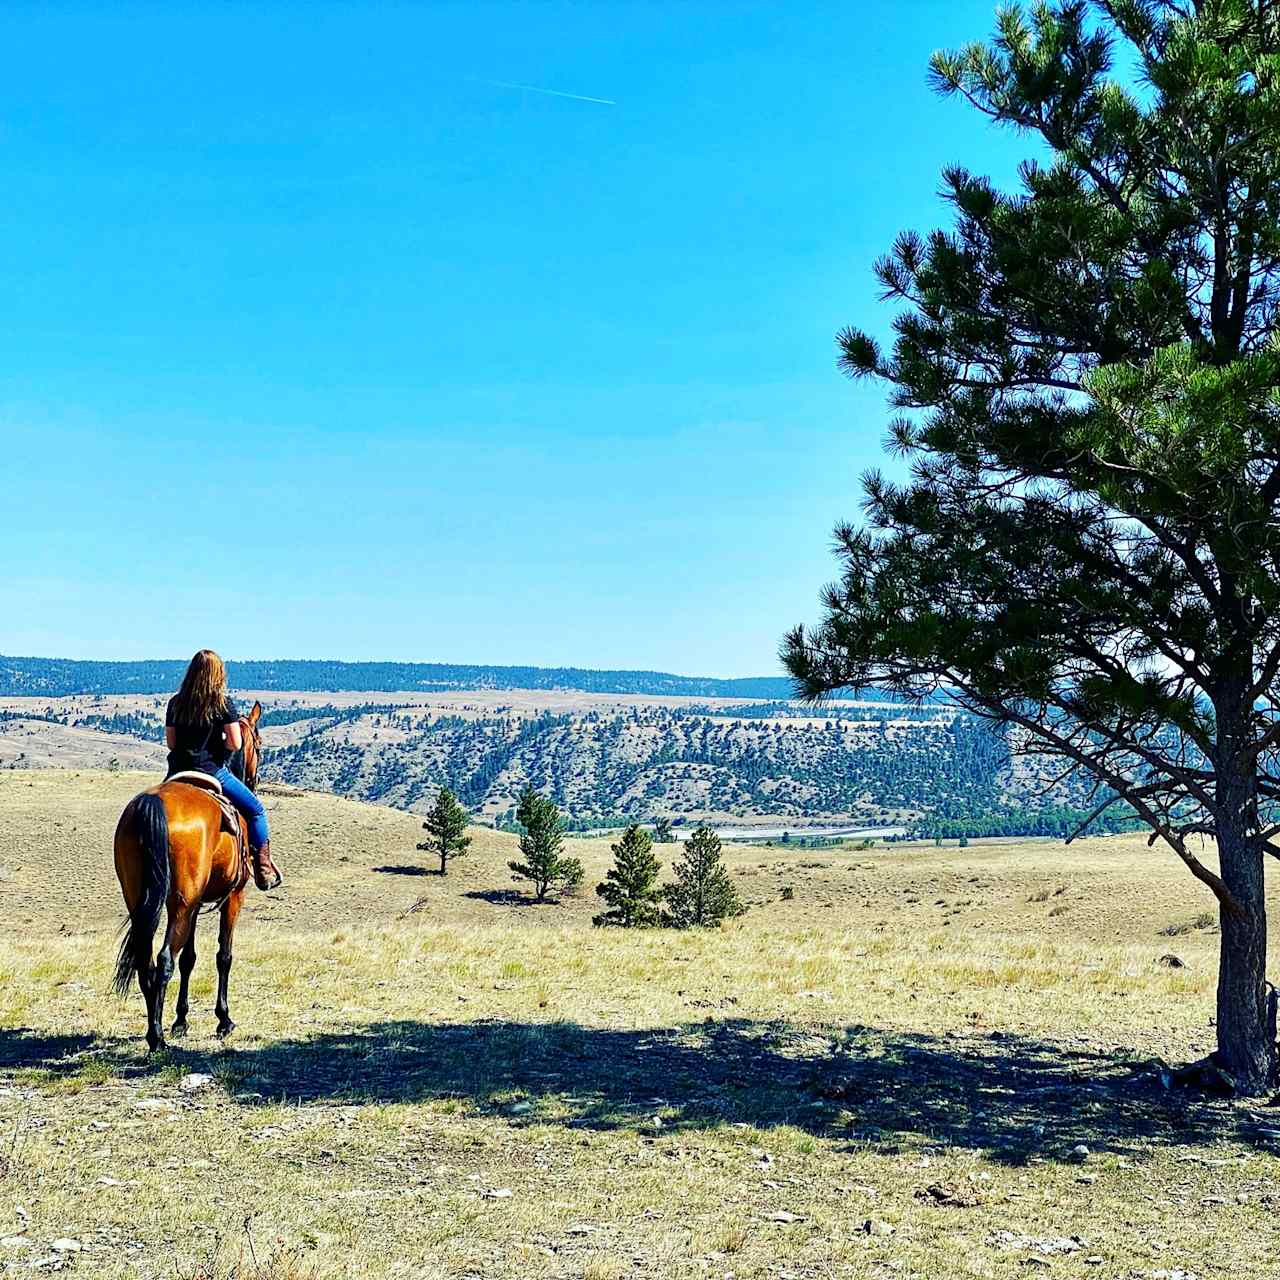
column 226, row 930
column 149, row 985
column 175, row 939
column 186, row 962
column 157, row 984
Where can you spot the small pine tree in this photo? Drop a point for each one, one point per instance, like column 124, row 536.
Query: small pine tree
column 662, row 833
column 446, row 828
column 541, row 846
column 702, row 894
column 631, row 885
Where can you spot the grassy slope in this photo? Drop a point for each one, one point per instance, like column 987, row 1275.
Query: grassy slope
column 913, row 1017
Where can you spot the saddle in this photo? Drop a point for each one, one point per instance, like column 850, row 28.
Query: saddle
column 230, row 814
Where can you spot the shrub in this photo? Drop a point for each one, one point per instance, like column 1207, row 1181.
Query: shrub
column 662, row 833
column 1205, row 920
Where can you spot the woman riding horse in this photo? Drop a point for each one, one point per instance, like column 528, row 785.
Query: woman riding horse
column 175, row 854
column 202, row 731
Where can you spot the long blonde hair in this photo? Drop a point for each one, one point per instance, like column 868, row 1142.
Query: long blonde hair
column 203, row 697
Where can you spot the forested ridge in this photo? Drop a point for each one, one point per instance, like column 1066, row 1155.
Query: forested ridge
column 925, row 768
column 63, row 677
column 932, row 773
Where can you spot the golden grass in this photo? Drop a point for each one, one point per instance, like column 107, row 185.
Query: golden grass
column 484, row 1089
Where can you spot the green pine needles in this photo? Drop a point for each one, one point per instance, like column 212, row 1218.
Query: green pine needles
column 446, row 828
column 703, row 894
column 542, row 848
column 630, row 887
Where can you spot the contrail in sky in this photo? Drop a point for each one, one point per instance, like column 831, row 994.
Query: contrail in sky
column 555, row 93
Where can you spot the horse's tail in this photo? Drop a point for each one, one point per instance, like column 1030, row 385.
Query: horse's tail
column 151, row 828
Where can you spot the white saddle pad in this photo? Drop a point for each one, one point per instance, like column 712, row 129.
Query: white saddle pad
column 194, row 776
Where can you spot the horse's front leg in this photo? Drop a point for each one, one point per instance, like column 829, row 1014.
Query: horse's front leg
column 226, row 930
column 186, row 962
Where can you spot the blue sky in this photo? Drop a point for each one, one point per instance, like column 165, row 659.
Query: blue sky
column 315, row 341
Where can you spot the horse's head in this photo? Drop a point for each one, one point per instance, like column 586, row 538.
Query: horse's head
column 252, row 745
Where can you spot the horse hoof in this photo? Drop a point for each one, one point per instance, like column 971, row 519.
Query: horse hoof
column 225, row 1029
column 178, row 1029
column 159, row 1047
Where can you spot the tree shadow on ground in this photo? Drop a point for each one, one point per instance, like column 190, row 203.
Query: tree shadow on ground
column 1011, row 1097
column 407, row 869
column 508, row 898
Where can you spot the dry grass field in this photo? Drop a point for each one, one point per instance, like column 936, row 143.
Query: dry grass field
column 886, row 1074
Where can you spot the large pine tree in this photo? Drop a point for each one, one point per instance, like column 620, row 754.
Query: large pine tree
column 1088, row 374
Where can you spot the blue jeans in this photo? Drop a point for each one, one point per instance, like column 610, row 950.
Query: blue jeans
column 248, row 804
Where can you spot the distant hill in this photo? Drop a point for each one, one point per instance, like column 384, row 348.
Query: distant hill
column 930, row 769
column 62, row 677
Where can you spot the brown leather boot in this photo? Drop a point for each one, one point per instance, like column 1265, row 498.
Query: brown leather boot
column 266, row 875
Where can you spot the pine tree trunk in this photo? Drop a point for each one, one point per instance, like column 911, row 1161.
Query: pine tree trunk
column 1246, row 1021
column 1246, row 1047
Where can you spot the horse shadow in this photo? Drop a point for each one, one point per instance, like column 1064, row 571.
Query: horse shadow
column 21, row 1048
column 1014, row 1098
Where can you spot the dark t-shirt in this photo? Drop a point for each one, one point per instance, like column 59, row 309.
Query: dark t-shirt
column 200, row 746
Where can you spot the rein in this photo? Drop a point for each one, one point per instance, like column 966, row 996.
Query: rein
column 248, row 730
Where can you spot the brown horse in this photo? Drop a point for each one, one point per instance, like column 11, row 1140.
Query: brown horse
column 172, row 854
